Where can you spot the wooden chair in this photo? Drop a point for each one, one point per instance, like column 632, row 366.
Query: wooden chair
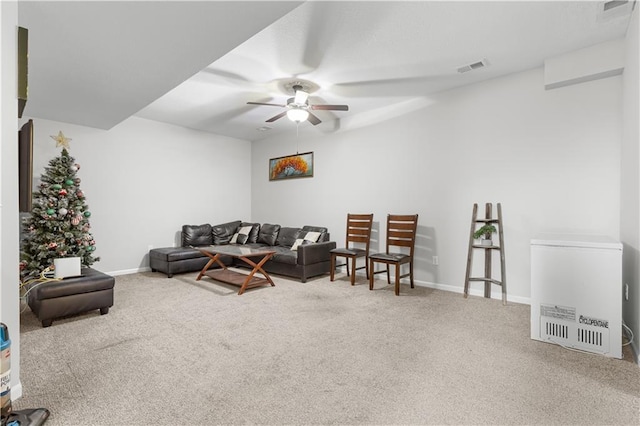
column 358, row 231
column 401, row 232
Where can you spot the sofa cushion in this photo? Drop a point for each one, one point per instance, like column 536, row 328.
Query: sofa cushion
column 287, row 236
column 255, row 229
column 222, row 233
column 268, row 234
column 196, row 235
column 305, row 238
column 241, row 236
column 285, row 255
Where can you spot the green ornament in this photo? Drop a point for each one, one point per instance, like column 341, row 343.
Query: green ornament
column 68, row 182
column 50, row 211
column 56, row 186
column 87, row 214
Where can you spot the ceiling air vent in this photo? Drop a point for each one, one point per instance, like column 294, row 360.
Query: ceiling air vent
column 615, row 3
column 613, row 9
column 474, row 66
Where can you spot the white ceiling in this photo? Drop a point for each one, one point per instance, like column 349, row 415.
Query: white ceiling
column 196, row 64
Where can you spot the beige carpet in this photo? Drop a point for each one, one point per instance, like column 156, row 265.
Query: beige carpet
column 181, row 352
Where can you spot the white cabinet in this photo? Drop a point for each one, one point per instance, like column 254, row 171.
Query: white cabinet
column 576, row 292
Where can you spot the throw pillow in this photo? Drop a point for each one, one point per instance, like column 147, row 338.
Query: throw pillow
column 268, row 234
column 310, row 237
column 222, row 233
column 287, row 236
column 241, row 236
column 253, row 235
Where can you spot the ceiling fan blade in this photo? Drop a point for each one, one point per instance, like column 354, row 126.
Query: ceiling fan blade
column 313, row 119
column 330, row 107
column 276, row 117
column 264, row 103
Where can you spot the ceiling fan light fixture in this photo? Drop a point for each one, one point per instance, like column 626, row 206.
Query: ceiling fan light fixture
column 297, row 114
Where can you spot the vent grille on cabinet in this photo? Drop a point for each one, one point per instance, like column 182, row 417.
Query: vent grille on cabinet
column 557, row 330
column 593, row 339
column 570, row 334
column 554, row 330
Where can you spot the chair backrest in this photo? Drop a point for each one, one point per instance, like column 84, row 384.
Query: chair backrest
column 359, row 229
column 401, row 231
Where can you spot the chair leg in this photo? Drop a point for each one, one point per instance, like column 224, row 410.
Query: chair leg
column 411, row 273
column 388, row 275
column 366, row 265
column 397, row 279
column 333, row 266
column 347, row 265
column 371, row 275
column 353, row 268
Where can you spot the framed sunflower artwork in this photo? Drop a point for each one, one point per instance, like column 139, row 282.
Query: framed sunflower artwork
column 291, row 166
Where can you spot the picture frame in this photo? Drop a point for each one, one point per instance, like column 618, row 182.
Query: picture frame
column 291, row 166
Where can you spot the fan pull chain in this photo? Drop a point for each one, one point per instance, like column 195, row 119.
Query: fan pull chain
column 297, row 136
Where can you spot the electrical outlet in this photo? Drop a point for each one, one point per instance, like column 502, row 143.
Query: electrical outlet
column 435, row 260
column 626, row 291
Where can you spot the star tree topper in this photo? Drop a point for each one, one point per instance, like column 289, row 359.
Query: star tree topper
column 61, row 140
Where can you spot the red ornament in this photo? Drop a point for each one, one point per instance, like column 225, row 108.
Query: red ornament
column 52, row 245
column 79, row 194
column 62, row 192
column 75, row 221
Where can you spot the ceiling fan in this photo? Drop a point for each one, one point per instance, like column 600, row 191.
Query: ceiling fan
column 298, row 107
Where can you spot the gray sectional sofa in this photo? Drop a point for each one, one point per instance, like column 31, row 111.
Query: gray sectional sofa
column 300, row 252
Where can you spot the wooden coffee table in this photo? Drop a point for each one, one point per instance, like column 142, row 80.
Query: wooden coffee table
column 244, row 281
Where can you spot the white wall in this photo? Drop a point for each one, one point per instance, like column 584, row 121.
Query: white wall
column 630, row 181
column 9, row 221
column 550, row 157
column 143, row 180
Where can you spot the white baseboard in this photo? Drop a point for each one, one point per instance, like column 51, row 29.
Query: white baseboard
column 16, row 391
column 636, row 353
column 128, row 271
column 496, row 293
column 634, row 349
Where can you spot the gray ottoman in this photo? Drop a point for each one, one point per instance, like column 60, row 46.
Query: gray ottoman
column 93, row 290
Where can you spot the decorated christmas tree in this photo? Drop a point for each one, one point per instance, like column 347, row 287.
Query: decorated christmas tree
column 58, row 225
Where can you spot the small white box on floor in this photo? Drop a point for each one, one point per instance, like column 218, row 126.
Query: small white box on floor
column 576, row 292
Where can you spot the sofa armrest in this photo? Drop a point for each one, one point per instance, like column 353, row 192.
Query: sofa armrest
column 315, row 253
